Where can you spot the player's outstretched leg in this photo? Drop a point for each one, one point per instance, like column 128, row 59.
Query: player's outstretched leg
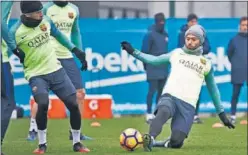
column 75, row 121
column 80, row 100
column 64, row 89
column 163, row 114
column 41, row 119
column 180, row 125
column 32, row 134
column 72, row 71
column 164, row 111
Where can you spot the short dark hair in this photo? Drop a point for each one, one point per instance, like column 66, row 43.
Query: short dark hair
column 192, row 16
column 159, row 17
column 243, row 19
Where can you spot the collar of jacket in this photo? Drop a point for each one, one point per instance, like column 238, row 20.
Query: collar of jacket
column 60, row 3
column 154, row 28
column 184, row 28
column 243, row 34
column 198, row 51
column 30, row 22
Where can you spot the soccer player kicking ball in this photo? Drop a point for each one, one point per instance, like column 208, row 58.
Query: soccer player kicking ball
column 65, row 16
column 43, row 70
column 189, row 69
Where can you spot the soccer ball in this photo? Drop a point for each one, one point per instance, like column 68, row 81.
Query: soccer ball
column 130, row 139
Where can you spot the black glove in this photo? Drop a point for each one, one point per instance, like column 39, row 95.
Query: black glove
column 20, row 54
column 226, row 121
column 81, row 56
column 127, row 46
column 84, row 66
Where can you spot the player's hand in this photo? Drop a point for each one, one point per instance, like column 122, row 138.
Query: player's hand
column 127, row 47
column 82, row 57
column 226, row 121
column 20, row 54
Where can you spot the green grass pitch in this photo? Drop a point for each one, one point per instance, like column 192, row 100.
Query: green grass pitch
column 203, row 139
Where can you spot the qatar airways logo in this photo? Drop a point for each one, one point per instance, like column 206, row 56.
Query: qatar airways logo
column 39, row 40
column 64, row 26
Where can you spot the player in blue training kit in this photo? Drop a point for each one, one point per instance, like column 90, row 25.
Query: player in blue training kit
column 180, row 95
column 65, row 17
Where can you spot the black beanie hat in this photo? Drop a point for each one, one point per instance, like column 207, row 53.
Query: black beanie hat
column 159, row 17
column 31, row 6
column 192, row 16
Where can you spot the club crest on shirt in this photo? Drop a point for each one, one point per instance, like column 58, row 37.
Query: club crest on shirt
column 71, row 15
column 43, row 27
column 203, row 61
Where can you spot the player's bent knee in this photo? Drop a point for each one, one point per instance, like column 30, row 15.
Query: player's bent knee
column 42, row 100
column 177, row 139
column 71, row 103
column 177, row 144
column 80, row 94
column 162, row 109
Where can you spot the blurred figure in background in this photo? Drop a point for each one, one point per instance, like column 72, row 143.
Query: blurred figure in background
column 192, row 19
column 155, row 43
column 237, row 55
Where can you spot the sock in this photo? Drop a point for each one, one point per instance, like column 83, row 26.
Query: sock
column 167, row 144
column 196, row 116
column 75, row 136
column 233, row 117
column 33, row 125
column 42, row 136
column 153, row 140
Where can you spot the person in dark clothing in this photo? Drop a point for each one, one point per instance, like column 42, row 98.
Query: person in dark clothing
column 192, row 19
column 8, row 103
column 155, row 43
column 237, row 55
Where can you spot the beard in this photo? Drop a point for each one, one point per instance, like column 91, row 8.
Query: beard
column 190, row 47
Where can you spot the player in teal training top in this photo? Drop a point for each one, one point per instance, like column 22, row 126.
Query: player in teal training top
column 65, row 17
column 189, row 69
column 44, row 71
